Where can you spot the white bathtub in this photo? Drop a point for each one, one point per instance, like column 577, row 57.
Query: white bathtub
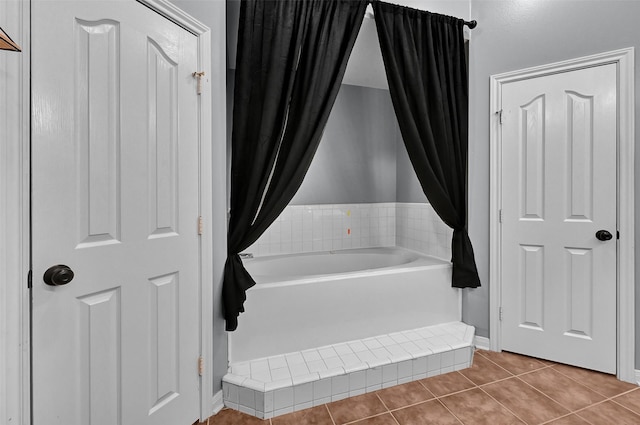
column 309, row 300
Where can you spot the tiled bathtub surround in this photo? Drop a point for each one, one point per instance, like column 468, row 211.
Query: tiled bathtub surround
column 313, row 228
column 277, row 385
column 419, row 228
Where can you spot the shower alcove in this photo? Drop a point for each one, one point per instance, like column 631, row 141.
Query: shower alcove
column 353, row 288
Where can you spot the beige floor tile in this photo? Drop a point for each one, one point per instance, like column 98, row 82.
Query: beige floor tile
column 315, row 416
column 565, row 391
column 514, row 363
column 607, row 385
column 528, row 404
column 609, row 413
column 476, row 407
column 404, row 395
column 355, row 408
column 448, row 383
column 484, row 371
column 432, row 412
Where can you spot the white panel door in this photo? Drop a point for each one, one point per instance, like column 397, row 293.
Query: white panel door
column 115, row 198
column 558, row 190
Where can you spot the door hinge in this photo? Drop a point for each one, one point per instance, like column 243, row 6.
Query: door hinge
column 30, row 279
column 499, row 113
column 200, row 366
column 200, row 225
column 617, row 234
column 500, row 215
column 500, row 314
column 199, row 76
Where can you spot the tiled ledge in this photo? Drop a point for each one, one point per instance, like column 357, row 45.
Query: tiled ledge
column 277, row 385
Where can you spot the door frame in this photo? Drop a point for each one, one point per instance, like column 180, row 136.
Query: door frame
column 15, row 187
column 624, row 59
column 205, row 192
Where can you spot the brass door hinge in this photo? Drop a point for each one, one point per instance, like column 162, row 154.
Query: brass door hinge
column 199, row 76
column 200, row 366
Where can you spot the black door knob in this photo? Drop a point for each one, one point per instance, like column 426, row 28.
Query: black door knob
column 58, row 275
column 603, row 235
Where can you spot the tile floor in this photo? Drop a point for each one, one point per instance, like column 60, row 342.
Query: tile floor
column 500, row 388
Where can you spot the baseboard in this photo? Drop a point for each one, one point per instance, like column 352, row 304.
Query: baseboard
column 218, row 403
column 637, row 375
column 482, row 342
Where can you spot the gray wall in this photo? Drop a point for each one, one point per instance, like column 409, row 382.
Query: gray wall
column 516, row 34
column 356, row 159
column 408, row 187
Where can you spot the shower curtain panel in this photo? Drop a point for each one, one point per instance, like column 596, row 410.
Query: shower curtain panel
column 291, row 59
column 424, row 58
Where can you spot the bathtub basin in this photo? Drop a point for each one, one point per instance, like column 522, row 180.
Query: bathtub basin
column 302, row 301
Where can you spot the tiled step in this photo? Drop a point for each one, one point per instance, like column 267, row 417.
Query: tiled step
column 285, row 383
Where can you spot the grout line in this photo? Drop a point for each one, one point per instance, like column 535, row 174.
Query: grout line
column 529, row 372
column 562, row 417
column 506, row 370
column 419, row 381
column 545, row 395
column 394, row 418
column 368, row 417
column 588, row 407
column 449, row 410
column 583, row 384
column 502, row 405
column 326, row 406
column 411, row 405
column 612, row 399
column 452, row 393
column 382, row 401
column 492, row 382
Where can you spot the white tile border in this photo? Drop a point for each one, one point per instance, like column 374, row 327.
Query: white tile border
column 445, row 348
column 325, row 227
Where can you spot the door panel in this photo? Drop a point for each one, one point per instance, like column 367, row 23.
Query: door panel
column 559, row 188
column 115, row 197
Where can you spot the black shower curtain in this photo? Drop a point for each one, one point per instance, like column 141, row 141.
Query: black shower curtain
column 424, row 58
column 291, row 59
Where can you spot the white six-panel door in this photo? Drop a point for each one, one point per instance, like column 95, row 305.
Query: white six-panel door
column 115, row 198
column 558, row 189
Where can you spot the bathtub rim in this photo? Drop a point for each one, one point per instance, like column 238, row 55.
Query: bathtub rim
column 382, row 271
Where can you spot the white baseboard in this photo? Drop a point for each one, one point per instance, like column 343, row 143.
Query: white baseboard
column 218, row 403
column 481, row 342
column 637, row 374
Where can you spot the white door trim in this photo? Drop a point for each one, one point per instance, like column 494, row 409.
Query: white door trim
column 14, row 217
column 624, row 58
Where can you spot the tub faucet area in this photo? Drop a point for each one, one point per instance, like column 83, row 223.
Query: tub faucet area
column 246, row 255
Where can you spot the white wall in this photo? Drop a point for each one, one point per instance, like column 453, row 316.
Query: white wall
column 14, row 121
column 516, row 34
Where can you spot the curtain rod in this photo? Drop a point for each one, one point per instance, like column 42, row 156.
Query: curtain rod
column 471, row 24
column 369, row 14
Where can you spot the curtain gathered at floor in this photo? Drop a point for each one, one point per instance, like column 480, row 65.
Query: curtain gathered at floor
column 424, row 58
column 291, row 59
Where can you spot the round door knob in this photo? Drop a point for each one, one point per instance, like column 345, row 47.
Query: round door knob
column 603, row 235
column 58, row 275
